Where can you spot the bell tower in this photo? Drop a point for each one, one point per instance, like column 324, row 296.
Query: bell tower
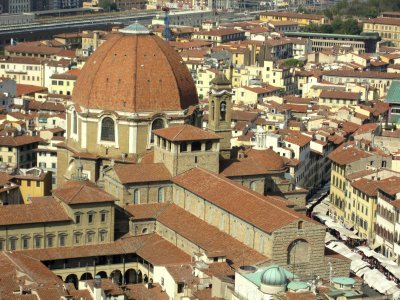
column 219, row 116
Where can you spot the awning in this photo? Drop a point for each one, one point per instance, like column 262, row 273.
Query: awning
column 375, row 245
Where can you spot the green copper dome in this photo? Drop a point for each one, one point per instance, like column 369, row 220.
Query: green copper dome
column 274, row 275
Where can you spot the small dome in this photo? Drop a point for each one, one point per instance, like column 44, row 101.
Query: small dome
column 275, row 276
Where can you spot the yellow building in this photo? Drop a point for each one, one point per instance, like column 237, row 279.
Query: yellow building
column 388, row 29
column 347, row 160
column 301, row 19
column 64, row 83
column 33, row 183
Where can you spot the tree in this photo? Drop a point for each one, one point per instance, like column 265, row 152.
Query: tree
column 108, row 5
column 292, row 62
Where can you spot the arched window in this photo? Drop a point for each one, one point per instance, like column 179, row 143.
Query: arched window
column 103, row 235
column 223, row 110
column 13, row 243
column 261, row 248
column 253, row 185
column 212, row 110
column 107, row 130
column 161, row 193
column 136, row 196
column 299, row 251
column 74, row 122
column 300, row 225
column 157, row 124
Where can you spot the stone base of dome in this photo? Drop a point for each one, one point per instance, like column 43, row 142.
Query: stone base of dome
column 272, row 289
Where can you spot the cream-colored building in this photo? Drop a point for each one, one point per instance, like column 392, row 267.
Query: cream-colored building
column 74, row 219
column 63, row 84
column 346, row 160
column 388, row 29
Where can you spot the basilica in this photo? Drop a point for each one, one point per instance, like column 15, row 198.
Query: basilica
column 145, row 194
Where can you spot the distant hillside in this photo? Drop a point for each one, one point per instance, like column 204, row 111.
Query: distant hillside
column 362, row 8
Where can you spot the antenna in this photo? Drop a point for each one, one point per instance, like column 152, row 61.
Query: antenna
column 167, row 32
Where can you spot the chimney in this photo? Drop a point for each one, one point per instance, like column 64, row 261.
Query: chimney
column 96, row 36
column 97, row 293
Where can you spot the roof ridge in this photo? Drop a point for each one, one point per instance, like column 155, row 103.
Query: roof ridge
column 180, row 131
column 248, row 192
column 77, row 192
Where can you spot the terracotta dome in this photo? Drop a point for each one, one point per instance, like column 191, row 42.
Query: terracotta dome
column 135, row 71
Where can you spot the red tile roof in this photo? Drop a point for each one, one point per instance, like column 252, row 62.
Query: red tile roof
column 211, row 240
column 151, row 247
column 266, row 213
column 20, row 140
column 145, row 73
column 136, row 173
column 347, row 154
column 26, row 89
column 339, row 95
column 78, row 192
column 41, row 210
column 185, row 133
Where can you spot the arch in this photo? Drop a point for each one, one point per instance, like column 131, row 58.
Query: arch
column 72, row 278
column 298, row 251
column 130, row 276
column 145, row 279
column 253, row 185
column 161, row 195
column 108, row 129
column 59, row 276
column 212, row 110
column 222, row 111
column 157, row 123
column 144, row 230
column 86, row 276
column 74, row 122
column 136, row 196
column 102, row 274
column 139, row 277
column 116, row 276
column 300, row 225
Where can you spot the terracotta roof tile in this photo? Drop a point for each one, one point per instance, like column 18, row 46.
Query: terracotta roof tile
column 185, row 133
column 151, row 247
column 362, row 74
column 77, row 192
column 255, row 162
column 20, row 140
column 44, row 209
column 140, row 291
column 339, row 95
column 211, row 240
column 347, row 154
column 135, row 173
column 266, row 213
column 26, row 89
column 145, row 74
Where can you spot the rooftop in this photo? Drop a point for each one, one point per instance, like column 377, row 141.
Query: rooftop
column 79, row 192
column 267, row 213
column 185, row 132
